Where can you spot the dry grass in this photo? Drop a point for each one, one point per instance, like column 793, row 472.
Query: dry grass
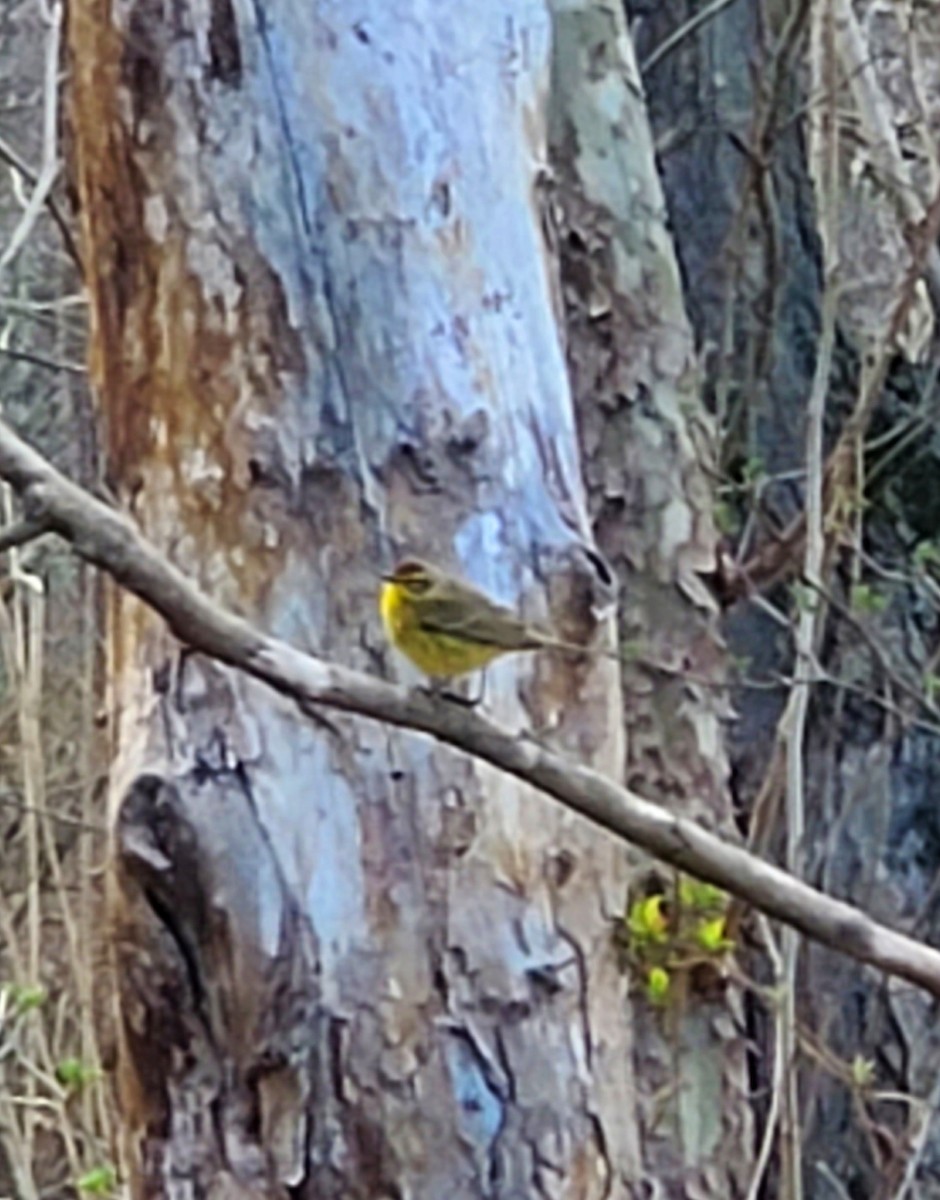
column 57, row 1118
column 56, row 1115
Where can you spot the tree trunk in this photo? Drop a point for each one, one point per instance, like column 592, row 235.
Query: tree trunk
column 646, row 446
column 326, row 333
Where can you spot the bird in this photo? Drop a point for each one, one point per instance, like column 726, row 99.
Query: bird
column 448, row 628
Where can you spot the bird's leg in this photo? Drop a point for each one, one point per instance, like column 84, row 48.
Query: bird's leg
column 446, row 693
column 465, row 701
column 438, row 688
column 474, row 701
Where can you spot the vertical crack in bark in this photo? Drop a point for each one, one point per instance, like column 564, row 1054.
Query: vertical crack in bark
column 580, row 962
column 224, row 49
column 481, row 1099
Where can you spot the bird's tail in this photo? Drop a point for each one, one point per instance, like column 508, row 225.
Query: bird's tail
column 544, row 639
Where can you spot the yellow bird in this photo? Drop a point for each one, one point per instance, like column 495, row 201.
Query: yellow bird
column 447, row 627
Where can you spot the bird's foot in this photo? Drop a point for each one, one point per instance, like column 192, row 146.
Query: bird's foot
column 440, row 689
column 463, row 701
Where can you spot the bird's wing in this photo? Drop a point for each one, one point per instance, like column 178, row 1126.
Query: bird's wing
column 490, row 625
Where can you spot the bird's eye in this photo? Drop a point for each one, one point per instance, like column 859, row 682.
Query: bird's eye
column 418, row 585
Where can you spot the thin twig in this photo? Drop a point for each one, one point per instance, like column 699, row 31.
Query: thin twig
column 824, row 139
column 685, row 30
column 13, row 637
column 919, row 1149
column 38, row 360
column 826, row 1172
column 884, row 147
column 48, row 814
column 12, row 159
column 779, row 1069
column 50, row 162
column 18, row 533
column 779, row 559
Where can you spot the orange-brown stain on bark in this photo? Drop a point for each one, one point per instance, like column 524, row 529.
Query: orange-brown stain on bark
column 174, row 366
column 108, row 197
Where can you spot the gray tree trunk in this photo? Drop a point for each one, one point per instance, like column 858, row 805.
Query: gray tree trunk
column 328, row 329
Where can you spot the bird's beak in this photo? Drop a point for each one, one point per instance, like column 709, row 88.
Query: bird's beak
column 389, row 578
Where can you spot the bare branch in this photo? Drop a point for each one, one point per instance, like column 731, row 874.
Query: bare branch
column 21, row 532
column 824, row 167
column 49, row 814
column 877, row 122
column 12, row 159
column 38, row 360
column 685, row 30
column 50, row 162
column 105, row 537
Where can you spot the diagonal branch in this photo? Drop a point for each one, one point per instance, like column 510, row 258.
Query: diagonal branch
column 21, row 532
column 107, row 538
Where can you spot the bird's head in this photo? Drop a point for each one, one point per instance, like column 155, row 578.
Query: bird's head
column 415, row 578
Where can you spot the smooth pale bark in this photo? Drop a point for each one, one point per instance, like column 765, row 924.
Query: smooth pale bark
column 351, row 963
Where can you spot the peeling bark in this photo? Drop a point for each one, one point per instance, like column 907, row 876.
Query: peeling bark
column 646, row 443
column 323, row 335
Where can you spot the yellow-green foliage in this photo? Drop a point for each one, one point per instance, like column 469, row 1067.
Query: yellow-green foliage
column 668, row 933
